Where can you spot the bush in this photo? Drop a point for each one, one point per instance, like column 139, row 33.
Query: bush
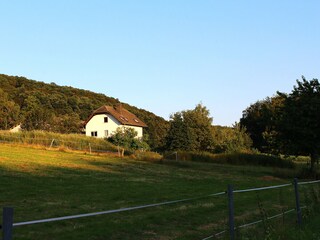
column 234, row 158
column 147, row 156
column 57, row 140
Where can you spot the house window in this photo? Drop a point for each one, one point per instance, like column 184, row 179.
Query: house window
column 94, row 134
column 106, row 133
column 105, row 119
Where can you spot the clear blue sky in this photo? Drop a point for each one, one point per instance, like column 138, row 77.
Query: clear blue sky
column 165, row 55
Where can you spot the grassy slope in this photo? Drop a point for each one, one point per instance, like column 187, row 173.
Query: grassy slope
column 41, row 184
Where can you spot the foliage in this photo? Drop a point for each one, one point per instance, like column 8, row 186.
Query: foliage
column 287, row 123
column 234, row 158
column 147, row 156
column 177, row 134
column 231, row 140
column 9, row 112
column 62, row 109
column 69, row 141
column 127, row 138
column 258, row 119
column 190, row 130
column 297, row 129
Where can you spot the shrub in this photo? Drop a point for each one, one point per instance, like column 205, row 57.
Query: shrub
column 57, row 140
column 147, row 156
column 234, row 158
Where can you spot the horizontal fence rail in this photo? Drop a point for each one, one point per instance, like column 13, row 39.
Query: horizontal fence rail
column 8, row 224
column 262, row 188
column 311, row 182
column 115, row 210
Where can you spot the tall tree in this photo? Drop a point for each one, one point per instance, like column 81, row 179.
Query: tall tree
column 297, row 130
column 37, row 117
column 191, row 130
column 259, row 120
column 9, row 112
column 177, row 134
column 231, row 139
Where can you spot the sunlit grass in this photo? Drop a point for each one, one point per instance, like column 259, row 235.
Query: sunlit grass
column 43, row 183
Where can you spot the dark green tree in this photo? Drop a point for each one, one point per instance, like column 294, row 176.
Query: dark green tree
column 191, row 130
column 297, row 130
column 259, row 120
column 37, row 117
column 231, row 139
column 9, row 112
column 177, row 138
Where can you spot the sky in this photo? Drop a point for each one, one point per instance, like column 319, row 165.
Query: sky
column 165, row 56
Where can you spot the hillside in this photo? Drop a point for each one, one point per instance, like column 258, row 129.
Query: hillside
column 41, row 183
column 42, row 106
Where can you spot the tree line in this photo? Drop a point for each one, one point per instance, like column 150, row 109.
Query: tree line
column 193, row 130
column 41, row 106
column 287, row 123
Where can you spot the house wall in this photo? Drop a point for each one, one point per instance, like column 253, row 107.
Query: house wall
column 97, row 124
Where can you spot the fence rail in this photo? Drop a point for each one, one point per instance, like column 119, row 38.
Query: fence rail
column 114, row 211
column 8, row 223
column 262, row 188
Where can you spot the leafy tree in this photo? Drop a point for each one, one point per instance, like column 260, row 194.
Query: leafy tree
column 259, row 119
column 127, row 138
column 9, row 112
column 231, row 139
column 69, row 123
column 297, row 130
column 177, row 134
column 191, row 130
column 36, row 117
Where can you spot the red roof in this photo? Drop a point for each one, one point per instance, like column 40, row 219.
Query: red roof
column 121, row 114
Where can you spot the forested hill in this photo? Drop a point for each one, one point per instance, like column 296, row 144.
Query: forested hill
column 38, row 105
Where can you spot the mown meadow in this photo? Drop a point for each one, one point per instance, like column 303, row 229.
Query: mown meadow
column 44, row 183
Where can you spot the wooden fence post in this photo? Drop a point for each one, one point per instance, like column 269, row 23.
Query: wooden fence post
column 51, row 143
column 298, row 209
column 231, row 212
column 7, row 223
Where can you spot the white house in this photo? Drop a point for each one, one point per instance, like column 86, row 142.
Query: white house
column 104, row 121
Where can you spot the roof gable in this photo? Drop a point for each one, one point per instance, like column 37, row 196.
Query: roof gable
column 120, row 114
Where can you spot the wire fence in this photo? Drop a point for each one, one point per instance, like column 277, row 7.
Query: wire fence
column 8, row 220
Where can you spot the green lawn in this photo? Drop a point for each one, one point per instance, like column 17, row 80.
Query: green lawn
column 42, row 183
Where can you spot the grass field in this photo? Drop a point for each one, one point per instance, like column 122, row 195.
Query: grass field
column 41, row 183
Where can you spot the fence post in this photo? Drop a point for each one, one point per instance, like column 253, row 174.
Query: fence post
column 231, row 212
column 176, row 156
column 298, row 209
column 51, row 143
column 7, row 223
column 90, row 148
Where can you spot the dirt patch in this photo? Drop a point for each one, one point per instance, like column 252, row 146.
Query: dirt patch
column 269, row 178
column 3, row 158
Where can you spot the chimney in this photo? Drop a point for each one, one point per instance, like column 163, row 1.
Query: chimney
column 118, row 108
